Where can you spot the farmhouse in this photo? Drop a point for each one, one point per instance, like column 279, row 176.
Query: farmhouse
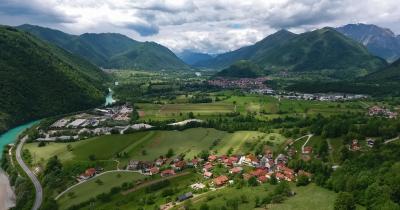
column 89, row 173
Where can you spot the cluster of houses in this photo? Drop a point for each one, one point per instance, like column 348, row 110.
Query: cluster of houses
column 246, row 166
column 355, row 144
column 382, row 112
column 243, row 83
column 320, row 96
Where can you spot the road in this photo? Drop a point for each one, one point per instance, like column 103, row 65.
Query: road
column 31, row 175
column 302, row 147
column 391, row 140
column 79, row 183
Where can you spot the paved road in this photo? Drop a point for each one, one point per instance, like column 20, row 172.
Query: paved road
column 35, row 181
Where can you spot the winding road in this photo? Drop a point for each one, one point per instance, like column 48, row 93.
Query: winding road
column 35, row 181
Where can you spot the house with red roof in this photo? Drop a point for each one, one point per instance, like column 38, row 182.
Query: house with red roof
column 307, row 150
column 178, row 166
column 212, row 158
column 236, row 170
column 259, row 172
column 207, row 174
column 207, row 167
column 262, row 179
column 154, row 170
column 220, row 181
column 167, row 172
column 89, row 173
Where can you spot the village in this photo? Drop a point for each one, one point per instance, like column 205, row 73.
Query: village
column 258, row 86
column 377, row 111
column 218, row 171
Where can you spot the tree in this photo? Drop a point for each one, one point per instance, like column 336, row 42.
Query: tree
column 302, row 180
column 283, row 188
column 252, row 181
column 170, row 153
column 49, row 204
column 344, row 201
column 204, row 206
column 273, row 180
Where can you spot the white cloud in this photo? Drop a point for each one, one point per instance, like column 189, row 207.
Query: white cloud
column 201, row 25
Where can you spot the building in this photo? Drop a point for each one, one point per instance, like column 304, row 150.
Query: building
column 89, row 173
column 168, row 172
column 207, row 174
column 220, row 181
column 370, row 142
column 236, row 170
column 307, row 150
column 185, row 196
column 154, row 170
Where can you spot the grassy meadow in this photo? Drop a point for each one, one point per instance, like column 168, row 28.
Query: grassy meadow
column 96, row 186
column 149, row 145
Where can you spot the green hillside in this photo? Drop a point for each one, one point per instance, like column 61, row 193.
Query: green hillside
column 323, row 49
column 241, row 69
column 389, row 74
column 38, row 79
column 247, row 53
column 111, row 50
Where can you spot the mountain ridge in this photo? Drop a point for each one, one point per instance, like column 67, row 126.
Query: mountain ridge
column 321, row 49
column 381, row 42
column 111, row 50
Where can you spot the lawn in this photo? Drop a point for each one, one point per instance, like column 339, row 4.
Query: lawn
column 309, row 197
column 92, row 188
column 103, row 147
column 179, row 111
column 141, row 198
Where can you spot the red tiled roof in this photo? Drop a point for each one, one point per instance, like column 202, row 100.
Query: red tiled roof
column 154, row 170
column 262, row 179
column 168, row 172
column 90, row 172
column 221, row 180
column 207, row 174
column 236, row 170
column 259, row 172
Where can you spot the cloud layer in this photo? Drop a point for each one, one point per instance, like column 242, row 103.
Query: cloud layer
column 211, row 26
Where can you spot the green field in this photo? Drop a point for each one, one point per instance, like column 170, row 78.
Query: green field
column 149, row 145
column 91, row 188
column 179, row 111
column 266, row 107
column 309, row 197
column 140, row 198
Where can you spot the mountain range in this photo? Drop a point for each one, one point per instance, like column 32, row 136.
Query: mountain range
column 322, row 49
column 111, row 50
column 39, row 79
column 381, row 42
column 192, row 58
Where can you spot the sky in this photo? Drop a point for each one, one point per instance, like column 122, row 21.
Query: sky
column 209, row 26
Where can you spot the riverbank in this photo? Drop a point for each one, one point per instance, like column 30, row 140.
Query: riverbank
column 7, row 196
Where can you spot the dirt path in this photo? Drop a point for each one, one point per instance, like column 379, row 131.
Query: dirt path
column 152, row 182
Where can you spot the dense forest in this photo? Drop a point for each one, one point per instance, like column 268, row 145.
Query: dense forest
column 39, row 80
